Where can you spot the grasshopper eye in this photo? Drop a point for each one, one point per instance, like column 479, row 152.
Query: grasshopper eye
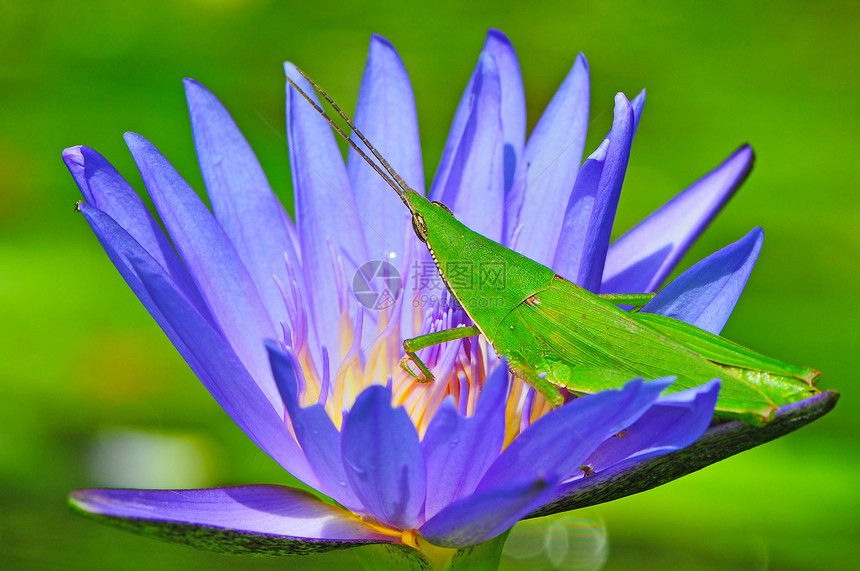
column 443, row 207
column 419, row 226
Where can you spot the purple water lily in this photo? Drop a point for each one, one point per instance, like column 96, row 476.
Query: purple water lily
column 262, row 311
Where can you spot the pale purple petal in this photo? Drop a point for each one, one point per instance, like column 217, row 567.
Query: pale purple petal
column 513, row 110
column 591, row 208
column 383, row 459
column 569, row 253
column 458, row 450
column 265, row 519
column 552, row 158
column 559, row 442
column 216, row 268
column 673, row 422
column 641, row 259
column 637, row 104
column 385, row 114
column 224, row 375
column 326, row 212
column 106, row 189
column 485, row 515
column 205, row 350
column 242, row 200
column 119, row 245
column 499, row 46
column 474, row 185
column 706, row 294
column 319, row 439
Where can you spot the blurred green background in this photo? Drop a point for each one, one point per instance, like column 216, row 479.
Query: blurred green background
column 86, row 377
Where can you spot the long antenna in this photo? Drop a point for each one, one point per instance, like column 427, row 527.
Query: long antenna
column 389, row 175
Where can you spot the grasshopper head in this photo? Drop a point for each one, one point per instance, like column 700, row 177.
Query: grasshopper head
column 428, row 218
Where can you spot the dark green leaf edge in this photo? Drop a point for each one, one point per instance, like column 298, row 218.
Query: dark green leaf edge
column 385, row 556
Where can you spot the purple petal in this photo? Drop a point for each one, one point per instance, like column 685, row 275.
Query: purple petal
column 319, row 439
column 386, row 114
column 673, row 422
column 706, row 294
column 216, row 268
column 485, row 515
column 224, row 375
column 326, row 212
column 499, row 46
column 207, row 353
column 104, row 188
column 383, row 459
column 552, row 157
column 558, row 443
column 641, row 259
column 474, row 185
column 637, row 104
column 261, row 519
column 242, row 200
column 591, row 209
column 458, row 450
column 720, row 441
column 513, row 110
column 119, row 245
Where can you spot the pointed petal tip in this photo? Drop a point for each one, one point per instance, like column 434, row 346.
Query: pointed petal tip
column 272, row 346
column 84, row 501
column 284, row 373
column 195, row 89
column 73, row 153
column 665, row 381
column 73, row 158
column 757, row 235
column 497, row 35
column 76, row 157
column 75, row 497
column 582, row 61
column 709, row 390
column 744, row 153
column 622, row 101
column 133, row 140
column 378, row 39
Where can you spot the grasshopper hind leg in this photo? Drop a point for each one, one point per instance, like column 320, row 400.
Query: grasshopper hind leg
column 549, row 391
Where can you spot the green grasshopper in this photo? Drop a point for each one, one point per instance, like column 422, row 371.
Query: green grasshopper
column 557, row 335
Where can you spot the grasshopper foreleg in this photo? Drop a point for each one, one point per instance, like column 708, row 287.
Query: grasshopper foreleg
column 411, row 346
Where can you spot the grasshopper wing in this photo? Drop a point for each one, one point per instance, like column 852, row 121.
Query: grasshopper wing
column 571, row 338
column 783, row 382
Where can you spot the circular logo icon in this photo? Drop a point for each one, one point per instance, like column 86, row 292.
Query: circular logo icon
column 377, row 285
